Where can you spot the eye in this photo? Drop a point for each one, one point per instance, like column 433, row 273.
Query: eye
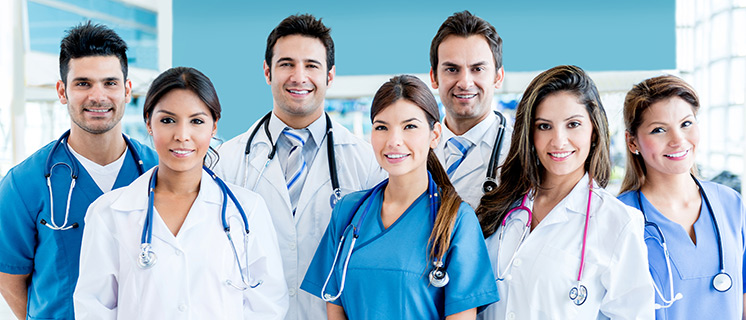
column 478, row 69
column 410, row 126
column 657, row 130
column 167, row 120
column 380, row 128
column 82, row 84
column 198, row 121
column 312, row 66
column 543, row 126
column 285, row 64
column 451, row 70
column 573, row 124
column 110, row 83
column 687, row 124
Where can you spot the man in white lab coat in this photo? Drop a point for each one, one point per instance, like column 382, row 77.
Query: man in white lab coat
column 287, row 159
column 466, row 68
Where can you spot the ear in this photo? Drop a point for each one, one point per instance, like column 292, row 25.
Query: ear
column 148, row 126
column 499, row 77
column 330, row 76
column 214, row 128
column 60, row 88
column 267, row 73
column 435, row 135
column 433, row 79
column 631, row 142
column 127, row 91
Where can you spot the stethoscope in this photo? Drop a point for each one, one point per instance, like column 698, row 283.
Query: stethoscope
column 721, row 282
column 331, row 159
column 147, row 257
column 578, row 293
column 438, row 276
column 73, row 167
column 490, row 181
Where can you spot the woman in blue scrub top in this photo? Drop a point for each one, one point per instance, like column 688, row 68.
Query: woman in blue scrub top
column 662, row 133
column 398, row 239
column 562, row 247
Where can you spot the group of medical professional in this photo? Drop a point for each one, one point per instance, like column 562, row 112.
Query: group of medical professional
column 459, row 216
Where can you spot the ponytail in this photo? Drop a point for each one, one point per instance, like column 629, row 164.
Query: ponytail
column 440, row 238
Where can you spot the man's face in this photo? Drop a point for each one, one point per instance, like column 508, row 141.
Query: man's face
column 96, row 93
column 298, row 76
column 466, row 78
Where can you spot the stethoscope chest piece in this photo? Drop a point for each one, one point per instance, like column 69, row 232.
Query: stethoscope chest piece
column 438, row 276
column 722, row 282
column 147, row 257
column 578, row 294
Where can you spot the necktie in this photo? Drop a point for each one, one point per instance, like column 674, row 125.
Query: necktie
column 457, row 148
column 296, row 168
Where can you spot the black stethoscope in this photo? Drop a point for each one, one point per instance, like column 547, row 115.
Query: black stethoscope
column 438, row 276
column 147, row 257
column 331, row 159
column 73, row 167
column 722, row 281
column 490, row 182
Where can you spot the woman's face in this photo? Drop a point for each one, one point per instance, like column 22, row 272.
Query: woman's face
column 562, row 136
column 402, row 138
column 182, row 127
column 667, row 137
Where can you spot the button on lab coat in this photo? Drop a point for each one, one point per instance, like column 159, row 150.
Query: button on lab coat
column 300, row 234
column 615, row 272
column 188, row 281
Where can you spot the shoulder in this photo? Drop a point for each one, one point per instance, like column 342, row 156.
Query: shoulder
column 245, row 196
column 343, row 136
column 236, row 143
column 724, row 193
column 30, row 171
column 629, row 198
column 613, row 212
column 147, row 154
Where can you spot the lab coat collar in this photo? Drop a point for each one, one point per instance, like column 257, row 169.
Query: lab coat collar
column 483, row 136
column 476, row 134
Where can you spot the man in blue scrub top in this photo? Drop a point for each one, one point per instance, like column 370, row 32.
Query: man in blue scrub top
column 466, row 68
column 39, row 254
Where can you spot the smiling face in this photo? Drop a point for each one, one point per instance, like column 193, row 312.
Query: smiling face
column 95, row 93
column 402, row 139
column 667, row 137
column 182, row 127
column 299, row 79
column 562, row 136
column 466, row 78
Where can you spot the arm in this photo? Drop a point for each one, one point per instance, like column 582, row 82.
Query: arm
column 14, row 288
column 335, row 312
column 470, row 314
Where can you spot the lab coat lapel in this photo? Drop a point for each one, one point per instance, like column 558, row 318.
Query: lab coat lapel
column 575, row 202
column 473, row 161
column 272, row 173
column 318, row 181
column 206, row 206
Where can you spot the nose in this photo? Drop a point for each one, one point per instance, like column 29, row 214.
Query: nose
column 559, row 138
column 298, row 75
column 677, row 137
column 394, row 138
column 96, row 93
column 181, row 132
column 465, row 81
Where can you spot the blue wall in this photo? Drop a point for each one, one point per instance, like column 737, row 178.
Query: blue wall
column 226, row 39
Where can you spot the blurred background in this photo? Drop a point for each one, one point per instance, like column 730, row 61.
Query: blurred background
column 620, row 43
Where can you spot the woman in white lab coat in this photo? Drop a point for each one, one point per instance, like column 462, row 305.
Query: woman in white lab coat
column 159, row 249
column 561, row 246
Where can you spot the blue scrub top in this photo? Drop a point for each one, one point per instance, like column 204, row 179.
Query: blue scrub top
column 387, row 277
column 694, row 266
column 27, row 246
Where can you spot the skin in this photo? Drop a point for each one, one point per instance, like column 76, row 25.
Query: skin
column 562, row 139
column 299, row 79
column 93, row 83
column 466, row 81
column 181, row 126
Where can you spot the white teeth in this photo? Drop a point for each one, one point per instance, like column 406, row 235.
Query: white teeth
column 299, row 91
column 182, row 152
column 561, row 154
column 98, row 110
column 465, row 96
column 395, row 156
column 678, row 154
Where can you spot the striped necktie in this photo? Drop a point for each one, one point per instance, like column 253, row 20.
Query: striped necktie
column 457, row 148
column 296, row 169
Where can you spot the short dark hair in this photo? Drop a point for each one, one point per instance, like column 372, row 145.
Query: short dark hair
column 305, row 25
column 89, row 39
column 465, row 24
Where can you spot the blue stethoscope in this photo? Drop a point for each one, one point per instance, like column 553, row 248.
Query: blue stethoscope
column 147, row 258
column 721, row 282
column 73, row 167
column 330, row 157
column 438, row 276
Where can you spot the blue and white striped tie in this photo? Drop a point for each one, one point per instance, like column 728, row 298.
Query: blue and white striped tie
column 457, row 148
column 296, row 168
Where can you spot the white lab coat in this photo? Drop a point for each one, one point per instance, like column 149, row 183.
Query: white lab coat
column 546, row 266
column 188, row 281
column 300, row 234
column 471, row 173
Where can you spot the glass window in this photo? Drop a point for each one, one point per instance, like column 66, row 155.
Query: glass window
column 715, row 130
column 719, row 36
column 738, row 80
column 739, row 32
column 735, row 129
column 718, row 89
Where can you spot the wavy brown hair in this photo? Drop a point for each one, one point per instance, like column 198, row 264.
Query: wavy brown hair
column 412, row 89
column 522, row 171
column 638, row 100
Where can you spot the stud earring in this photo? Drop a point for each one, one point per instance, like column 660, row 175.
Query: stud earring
column 637, row 152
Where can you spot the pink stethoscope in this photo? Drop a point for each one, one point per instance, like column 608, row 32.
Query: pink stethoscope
column 578, row 293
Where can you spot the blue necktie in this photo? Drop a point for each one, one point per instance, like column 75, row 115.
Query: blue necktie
column 296, row 168
column 457, row 148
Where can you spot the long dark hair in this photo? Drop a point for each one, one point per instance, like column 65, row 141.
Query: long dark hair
column 412, row 89
column 521, row 171
column 187, row 79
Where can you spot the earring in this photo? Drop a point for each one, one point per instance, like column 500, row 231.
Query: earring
column 150, row 132
column 637, row 152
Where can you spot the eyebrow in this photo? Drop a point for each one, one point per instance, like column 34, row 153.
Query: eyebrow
column 568, row 118
column 451, row 64
column 173, row 114
column 404, row 121
column 288, row 59
column 663, row 123
column 102, row 80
